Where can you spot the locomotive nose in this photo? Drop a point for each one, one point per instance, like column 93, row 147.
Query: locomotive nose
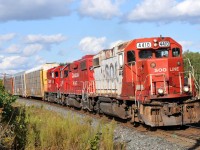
column 158, row 66
column 158, row 76
column 165, row 77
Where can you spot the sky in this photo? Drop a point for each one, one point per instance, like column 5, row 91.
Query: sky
column 33, row 32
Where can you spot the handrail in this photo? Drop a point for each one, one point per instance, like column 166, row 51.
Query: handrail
column 196, row 84
column 164, row 81
column 107, row 86
column 190, row 80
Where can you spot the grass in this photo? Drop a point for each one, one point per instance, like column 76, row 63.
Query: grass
column 49, row 130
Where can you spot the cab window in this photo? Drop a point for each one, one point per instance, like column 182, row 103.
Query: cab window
column 175, row 52
column 96, row 62
column 130, row 56
column 161, row 53
column 56, row 74
column 65, row 73
column 145, row 54
column 83, row 65
column 52, row 75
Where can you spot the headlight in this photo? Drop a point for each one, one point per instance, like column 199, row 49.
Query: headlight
column 153, row 65
column 160, row 91
column 186, row 89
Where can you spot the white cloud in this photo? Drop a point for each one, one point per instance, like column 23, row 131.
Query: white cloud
column 186, row 45
column 32, row 49
column 190, row 8
column 1, row 58
column 12, row 62
column 166, row 11
column 52, row 39
column 103, row 9
column 36, row 43
column 13, row 49
column 113, row 44
column 33, row 9
column 8, row 72
column 7, row 37
column 190, row 45
column 92, row 44
column 26, row 51
column 39, row 60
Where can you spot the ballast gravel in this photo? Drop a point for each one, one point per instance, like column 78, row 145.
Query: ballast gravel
column 133, row 139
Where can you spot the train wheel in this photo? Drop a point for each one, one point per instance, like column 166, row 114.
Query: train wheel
column 149, row 128
column 45, row 97
column 63, row 100
column 66, row 101
column 135, row 124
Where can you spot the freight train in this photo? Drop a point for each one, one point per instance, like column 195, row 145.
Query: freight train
column 141, row 81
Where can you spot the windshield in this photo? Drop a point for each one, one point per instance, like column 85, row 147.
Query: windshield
column 161, row 53
column 145, row 54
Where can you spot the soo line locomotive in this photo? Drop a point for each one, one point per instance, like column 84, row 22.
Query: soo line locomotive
column 141, row 81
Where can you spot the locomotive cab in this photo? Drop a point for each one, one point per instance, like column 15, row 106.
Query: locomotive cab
column 155, row 79
column 54, row 81
column 66, row 85
column 157, row 72
column 65, row 79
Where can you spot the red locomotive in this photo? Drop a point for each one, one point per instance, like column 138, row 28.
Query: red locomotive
column 73, row 80
column 142, row 80
column 66, row 83
column 53, row 84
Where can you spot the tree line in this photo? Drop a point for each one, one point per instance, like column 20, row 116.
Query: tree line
column 194, row 58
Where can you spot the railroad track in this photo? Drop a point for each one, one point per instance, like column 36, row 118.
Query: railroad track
column 188, row 136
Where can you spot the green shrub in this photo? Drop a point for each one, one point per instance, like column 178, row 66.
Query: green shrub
column 6, row 101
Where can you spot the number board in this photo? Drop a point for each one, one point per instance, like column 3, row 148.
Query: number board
column 164, row 44
column 144, row 45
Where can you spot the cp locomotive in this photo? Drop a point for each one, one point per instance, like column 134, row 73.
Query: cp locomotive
column 142, row 80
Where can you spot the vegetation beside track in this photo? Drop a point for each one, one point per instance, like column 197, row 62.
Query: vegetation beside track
column 35, row 128
column 49, row 130
column 7, row 119
column 6, row 101
column 38, row 128
column 194, row 58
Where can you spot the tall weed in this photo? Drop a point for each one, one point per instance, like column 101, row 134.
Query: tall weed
column 49, row 130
